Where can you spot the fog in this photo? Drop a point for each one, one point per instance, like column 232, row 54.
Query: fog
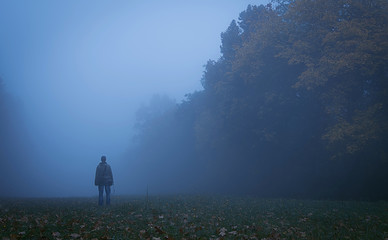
column 194, row 97
column 79, row 70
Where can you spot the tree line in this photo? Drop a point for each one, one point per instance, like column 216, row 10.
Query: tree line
column 15, row 147
column 296, row 106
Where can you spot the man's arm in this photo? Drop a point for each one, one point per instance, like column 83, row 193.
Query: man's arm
column 111, row 174
column 95, row 178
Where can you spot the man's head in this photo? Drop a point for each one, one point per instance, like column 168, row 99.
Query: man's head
column 103, row 159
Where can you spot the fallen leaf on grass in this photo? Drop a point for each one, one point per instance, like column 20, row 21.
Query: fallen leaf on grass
column 75, row 235
column 223, row 232
column 159, row 230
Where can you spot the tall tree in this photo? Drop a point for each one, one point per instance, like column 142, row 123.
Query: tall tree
column 15, row 148
column 296, row 105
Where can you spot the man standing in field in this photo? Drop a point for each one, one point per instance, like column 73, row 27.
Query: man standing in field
column 103, row 179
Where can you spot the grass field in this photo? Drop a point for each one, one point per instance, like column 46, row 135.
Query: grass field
column 192, row 217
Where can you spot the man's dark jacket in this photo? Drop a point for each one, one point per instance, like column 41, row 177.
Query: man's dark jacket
column 104, row 175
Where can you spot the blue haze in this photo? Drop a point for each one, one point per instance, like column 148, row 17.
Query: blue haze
column 80, row 70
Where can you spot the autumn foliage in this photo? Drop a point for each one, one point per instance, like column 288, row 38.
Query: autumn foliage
column 190, row 217
column 296, row 106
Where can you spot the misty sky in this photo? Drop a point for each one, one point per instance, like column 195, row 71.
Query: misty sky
column 80, row 69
